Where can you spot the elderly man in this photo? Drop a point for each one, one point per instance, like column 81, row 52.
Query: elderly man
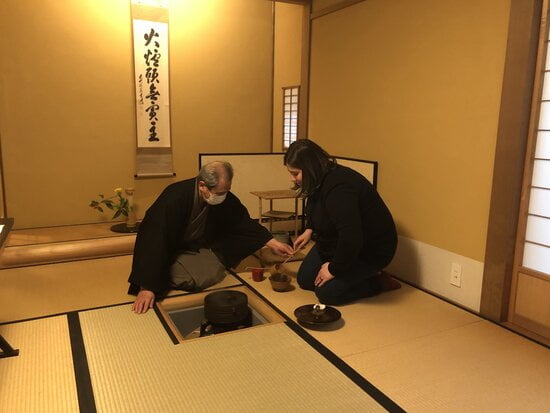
column 190, row 234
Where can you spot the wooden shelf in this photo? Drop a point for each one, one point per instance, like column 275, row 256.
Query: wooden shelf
column 279, row 214
column 272, row 214
column 275, row 194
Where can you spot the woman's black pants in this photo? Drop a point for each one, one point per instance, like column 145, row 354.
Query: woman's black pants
column 361, row 281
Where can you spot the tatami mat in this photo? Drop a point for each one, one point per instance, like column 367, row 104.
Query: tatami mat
column 41, row 378
column 424, row 353
column 428, row 355
column 78, row 284
column 135, row 367
column 70, row 286
column 479, row 367
column 389, row 318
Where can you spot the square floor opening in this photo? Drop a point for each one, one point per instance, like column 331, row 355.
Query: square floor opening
column 184, row 315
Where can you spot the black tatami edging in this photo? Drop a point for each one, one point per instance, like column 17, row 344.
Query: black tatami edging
column 164, row 324
column 84, row 389
column 341, row 365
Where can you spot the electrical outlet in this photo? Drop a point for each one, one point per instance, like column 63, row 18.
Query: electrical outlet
column 456, row 274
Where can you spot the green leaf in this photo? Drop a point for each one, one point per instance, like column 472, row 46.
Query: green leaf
column 117, row 214
column 101, row 209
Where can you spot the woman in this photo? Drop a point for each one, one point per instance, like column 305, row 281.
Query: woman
column 354, row 231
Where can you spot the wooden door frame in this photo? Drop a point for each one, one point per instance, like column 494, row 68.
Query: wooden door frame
column 512, row 137
column 525, row 277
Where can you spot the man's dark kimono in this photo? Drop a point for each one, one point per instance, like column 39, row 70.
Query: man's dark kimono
column 230, row 233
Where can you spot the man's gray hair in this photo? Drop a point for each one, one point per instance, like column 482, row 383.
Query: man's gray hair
column 212, row 171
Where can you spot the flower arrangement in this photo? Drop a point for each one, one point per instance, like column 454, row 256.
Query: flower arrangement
column 117, row 203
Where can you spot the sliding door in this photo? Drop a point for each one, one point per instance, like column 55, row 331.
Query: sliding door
column 529, row 309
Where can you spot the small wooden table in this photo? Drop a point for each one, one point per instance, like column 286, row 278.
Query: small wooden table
column 271, row 213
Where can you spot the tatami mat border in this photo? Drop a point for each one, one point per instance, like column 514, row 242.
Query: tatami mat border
column 341, row 365
column 84, row 389
column 165, row 325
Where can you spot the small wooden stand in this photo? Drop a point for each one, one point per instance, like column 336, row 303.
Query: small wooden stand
column 271, row 213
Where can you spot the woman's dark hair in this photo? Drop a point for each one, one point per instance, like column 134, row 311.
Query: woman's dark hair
column 313, row 160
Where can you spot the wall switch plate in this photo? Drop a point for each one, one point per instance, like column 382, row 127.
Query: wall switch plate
column 456, row 274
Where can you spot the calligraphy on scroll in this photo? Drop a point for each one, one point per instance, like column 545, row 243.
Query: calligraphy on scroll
column 152, row 83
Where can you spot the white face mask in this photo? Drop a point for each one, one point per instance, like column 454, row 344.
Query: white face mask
column 215, row 199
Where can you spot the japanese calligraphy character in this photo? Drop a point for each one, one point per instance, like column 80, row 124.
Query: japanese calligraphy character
column 151, row 74
column 152, row 57
column 149, row 37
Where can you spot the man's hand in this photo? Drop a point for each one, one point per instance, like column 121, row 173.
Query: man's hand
column 144, row 301
column 303, row 239
column 279, row 248
column 323, row 275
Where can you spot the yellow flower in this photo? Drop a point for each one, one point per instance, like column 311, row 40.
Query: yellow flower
column 118, row 190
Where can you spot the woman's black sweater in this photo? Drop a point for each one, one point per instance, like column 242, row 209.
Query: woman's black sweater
column 350, row 221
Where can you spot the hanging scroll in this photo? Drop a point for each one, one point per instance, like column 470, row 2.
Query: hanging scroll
column 152, row 92
column 152, row 84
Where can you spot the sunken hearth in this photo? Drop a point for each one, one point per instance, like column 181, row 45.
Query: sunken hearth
column 185, row 315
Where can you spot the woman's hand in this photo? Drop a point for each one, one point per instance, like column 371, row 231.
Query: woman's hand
column 303, row 239
column 279, row 248
column 323, row 276
column 144, row 301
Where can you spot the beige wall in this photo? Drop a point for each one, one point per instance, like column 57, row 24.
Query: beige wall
column 287, row 61
column 67, row 119
column 1, row 191
column 317, row 5
column 416, row 86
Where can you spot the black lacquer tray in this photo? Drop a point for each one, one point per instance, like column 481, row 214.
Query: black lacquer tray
column 310, row 315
